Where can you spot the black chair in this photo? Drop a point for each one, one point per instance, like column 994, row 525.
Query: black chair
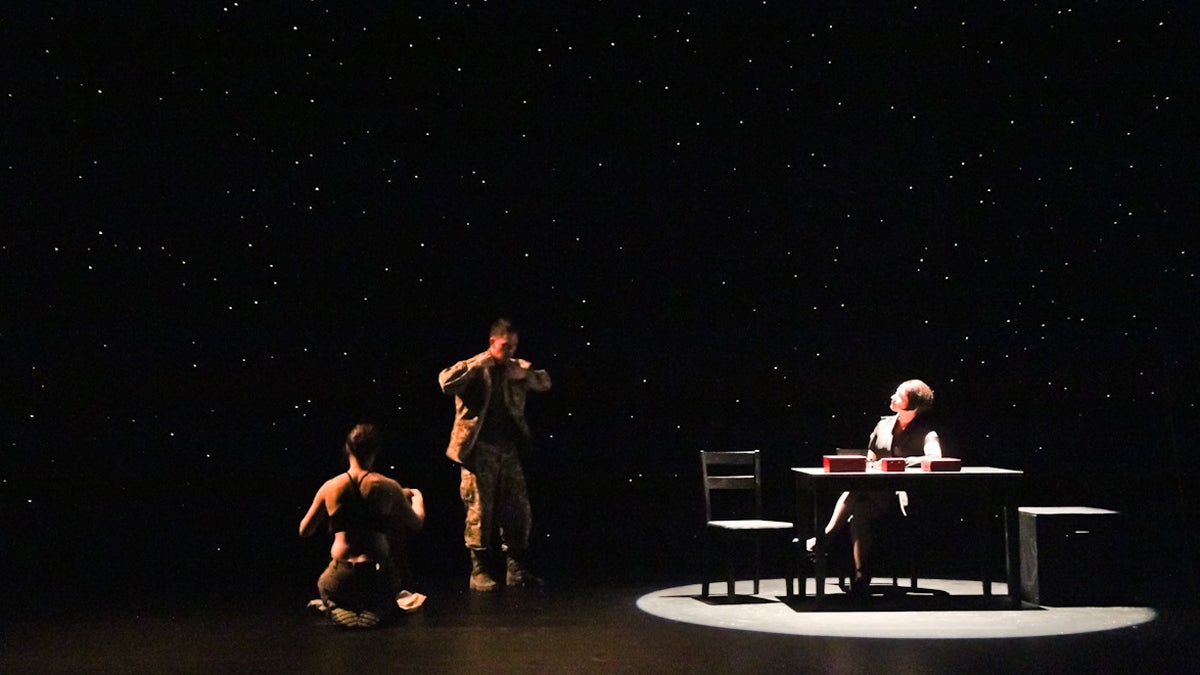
column 738, row 477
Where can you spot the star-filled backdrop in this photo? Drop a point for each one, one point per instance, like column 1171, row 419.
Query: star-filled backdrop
column 232, row 230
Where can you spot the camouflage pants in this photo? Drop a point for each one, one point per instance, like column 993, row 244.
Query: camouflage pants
column 360, row 586
column 496, row 500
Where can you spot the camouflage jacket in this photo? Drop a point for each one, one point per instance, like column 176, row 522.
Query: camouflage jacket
column 470, row 383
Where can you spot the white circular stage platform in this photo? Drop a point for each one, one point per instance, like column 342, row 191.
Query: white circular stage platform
column 947, row 609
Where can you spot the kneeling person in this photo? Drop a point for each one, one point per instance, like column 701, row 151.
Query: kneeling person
column 364, row 509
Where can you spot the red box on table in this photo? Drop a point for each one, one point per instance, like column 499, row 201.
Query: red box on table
column 941, row 464
column 843, row 463
column 892, row 464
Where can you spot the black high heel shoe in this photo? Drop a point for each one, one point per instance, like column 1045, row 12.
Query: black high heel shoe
column 860, row 586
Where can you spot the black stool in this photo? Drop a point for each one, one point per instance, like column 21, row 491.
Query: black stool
column 1071, row 555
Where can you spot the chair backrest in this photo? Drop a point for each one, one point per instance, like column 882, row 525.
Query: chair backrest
column 732, row 471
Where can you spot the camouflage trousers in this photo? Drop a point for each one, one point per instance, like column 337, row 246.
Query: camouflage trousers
column 496, row 500
column 365, row 586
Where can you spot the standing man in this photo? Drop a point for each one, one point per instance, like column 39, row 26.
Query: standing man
column 489, row 436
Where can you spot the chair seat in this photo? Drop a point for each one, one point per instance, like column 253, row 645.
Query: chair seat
column 750, row 524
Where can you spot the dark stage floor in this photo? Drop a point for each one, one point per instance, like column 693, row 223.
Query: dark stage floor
column 581, row 627
column 97, row 603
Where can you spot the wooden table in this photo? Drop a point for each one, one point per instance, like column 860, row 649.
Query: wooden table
column 993, row 489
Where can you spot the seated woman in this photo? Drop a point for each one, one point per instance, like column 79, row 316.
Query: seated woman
column 904, row 434
column 361, row 586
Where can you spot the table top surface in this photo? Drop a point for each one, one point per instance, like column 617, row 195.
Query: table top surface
column 913, row 472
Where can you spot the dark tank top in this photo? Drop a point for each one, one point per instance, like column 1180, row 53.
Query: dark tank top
column 498, row 426
column 356, row 515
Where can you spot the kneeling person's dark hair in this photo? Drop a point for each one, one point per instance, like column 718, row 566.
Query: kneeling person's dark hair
column 364, row 440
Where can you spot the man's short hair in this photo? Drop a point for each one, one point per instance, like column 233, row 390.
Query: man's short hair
column 502, row 327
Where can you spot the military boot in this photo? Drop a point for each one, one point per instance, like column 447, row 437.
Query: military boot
column 481, row 576
column 518, row 574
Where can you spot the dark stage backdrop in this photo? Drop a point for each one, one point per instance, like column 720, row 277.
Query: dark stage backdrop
column 231, row 232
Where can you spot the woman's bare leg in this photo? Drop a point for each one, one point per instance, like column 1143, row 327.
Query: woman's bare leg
column 836, row 521
column 860, row 535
